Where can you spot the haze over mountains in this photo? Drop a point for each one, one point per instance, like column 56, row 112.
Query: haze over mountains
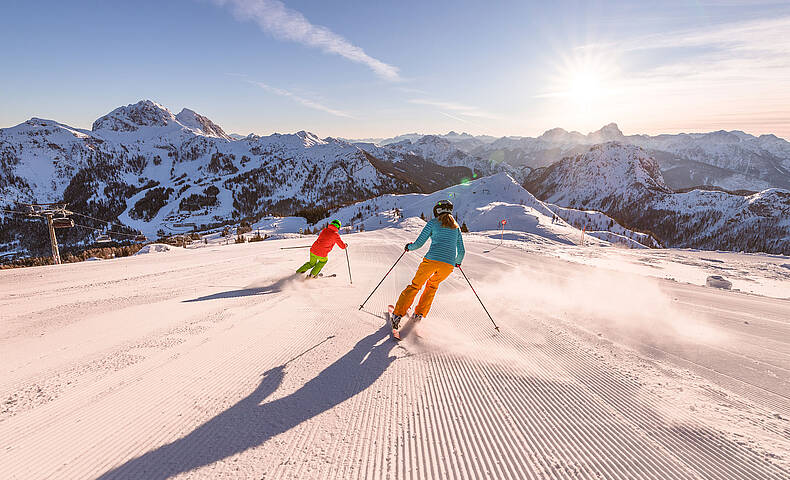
column 731, row 160
column 149, row 169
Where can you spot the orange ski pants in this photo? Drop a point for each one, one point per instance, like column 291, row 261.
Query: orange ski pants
column 430, row 271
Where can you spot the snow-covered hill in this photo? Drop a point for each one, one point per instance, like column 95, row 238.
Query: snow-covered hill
column 481, row 205
column 626, row 183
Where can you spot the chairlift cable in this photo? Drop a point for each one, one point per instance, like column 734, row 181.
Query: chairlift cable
column 112, row 233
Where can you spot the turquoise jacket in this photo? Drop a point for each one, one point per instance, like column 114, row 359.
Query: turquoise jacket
column 446, row 243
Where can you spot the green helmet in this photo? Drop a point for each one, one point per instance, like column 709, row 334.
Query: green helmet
column 336, row 223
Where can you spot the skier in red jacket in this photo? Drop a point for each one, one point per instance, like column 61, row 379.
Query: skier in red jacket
column 321, row 248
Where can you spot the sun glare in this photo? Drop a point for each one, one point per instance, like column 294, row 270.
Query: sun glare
column 582, row 84
column 585, row 87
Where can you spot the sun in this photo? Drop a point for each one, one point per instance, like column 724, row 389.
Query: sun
column 582, row 85
column 585, row 87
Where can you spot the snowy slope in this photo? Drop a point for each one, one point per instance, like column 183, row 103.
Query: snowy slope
column 624, row 182
column 481, row 205
column 215, row 362
column 602, row 226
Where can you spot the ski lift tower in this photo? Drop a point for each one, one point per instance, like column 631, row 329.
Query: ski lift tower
column 56, row 216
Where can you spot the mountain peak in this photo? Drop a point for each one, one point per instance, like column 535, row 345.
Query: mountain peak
column 554, row 133
column 191, row 119
column 606, row 133
column 309, row 139
column 631, row 161
column 145, row 113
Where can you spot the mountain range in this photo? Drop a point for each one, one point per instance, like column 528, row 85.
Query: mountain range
column 149, row 169
column 731, row 160
column 154, row 171
column 626, row 183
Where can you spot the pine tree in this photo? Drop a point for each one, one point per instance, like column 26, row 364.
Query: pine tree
column 464, row 228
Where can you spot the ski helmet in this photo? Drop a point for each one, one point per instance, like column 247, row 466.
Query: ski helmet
column 442, row 206
column 336, row 223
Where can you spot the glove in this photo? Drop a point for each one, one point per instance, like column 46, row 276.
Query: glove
column 457, row 265
column 407, row 247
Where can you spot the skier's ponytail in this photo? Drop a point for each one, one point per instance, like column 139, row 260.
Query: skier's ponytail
column 447, row 221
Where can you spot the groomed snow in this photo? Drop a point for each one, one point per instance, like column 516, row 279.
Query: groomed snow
column 217, row 362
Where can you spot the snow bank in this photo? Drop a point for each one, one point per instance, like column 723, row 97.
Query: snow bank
column 616, row 239
column 154, row 248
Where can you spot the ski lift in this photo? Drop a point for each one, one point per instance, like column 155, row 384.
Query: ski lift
column 62, row 222
column 103, row 238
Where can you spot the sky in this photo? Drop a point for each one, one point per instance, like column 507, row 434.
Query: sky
column 370, row 69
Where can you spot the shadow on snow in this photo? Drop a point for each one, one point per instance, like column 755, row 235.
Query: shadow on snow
column 275, row 287
column 251, row 423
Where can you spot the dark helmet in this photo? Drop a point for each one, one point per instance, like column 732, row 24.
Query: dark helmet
column 442, row 206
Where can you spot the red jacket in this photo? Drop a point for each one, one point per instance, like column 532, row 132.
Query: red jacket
column 326, row 241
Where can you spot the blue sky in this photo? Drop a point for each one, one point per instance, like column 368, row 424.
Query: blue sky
column 371, row 69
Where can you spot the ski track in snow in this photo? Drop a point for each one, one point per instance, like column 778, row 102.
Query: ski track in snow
column 218, row 363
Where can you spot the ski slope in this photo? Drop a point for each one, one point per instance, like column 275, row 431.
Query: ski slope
column 214, row 362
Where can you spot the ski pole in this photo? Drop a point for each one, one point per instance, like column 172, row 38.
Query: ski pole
column 382, row 280
column 348, row 262
column 289, row 248
column 478, row 298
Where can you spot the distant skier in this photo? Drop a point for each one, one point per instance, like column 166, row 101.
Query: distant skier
column 446, row 252
column 321, row 247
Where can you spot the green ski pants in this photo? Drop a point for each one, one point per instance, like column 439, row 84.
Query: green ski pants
column 315, row 262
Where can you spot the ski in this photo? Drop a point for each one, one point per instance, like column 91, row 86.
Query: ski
column 320, row 275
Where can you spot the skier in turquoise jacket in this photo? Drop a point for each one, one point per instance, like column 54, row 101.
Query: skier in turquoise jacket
column 446, row 252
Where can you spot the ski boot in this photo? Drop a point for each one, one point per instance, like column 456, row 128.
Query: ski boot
column 395, row 324
column 416, row 317
column 395, row 320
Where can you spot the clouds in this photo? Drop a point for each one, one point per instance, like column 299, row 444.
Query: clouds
column 459, row 108
column 304, row 101
column 722, row 75
column 284, row 23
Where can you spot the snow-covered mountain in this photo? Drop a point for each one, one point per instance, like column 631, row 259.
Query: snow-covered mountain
column 415, row 168
column 444, row 152
column 730, row 160
column 481, row 205
column 626, row 183
column 463, row 141
column 150, row 169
